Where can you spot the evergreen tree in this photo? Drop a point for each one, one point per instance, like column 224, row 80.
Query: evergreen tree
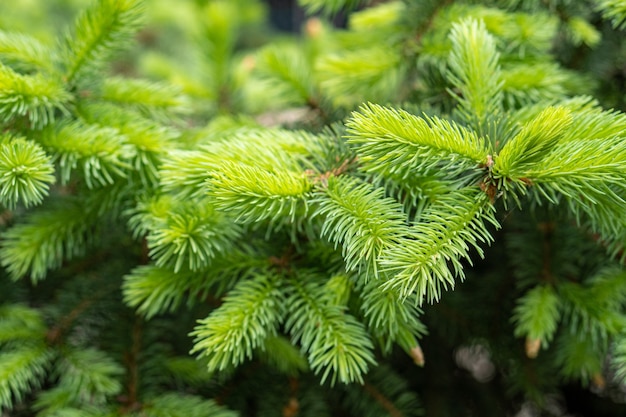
column 422, row 213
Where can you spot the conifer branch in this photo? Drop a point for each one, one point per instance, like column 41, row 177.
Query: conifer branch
column 154, row 290
column 183, row 235
column 336, row 344
column 427, row 262
column 44, row 240
column 88, row 376
column 395, row 143
column 367, row 74
column 187, row 173
column 21, row 370
column 329, row 7
column 105, row 28
column 475, row 73
column 174, row 405
column 537, row 315
column 25, row 53
column 20, row 323
column 33, row 96
column 102, row 153
column 390, row 320
column 361, row 220
column 150, row 98
column 287, row 72
column 614, row 10
column 26, row 173
column 254, row 194
column 250, row 313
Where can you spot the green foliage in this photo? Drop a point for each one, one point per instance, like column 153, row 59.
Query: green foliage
column 99, row 32
column 250, row 313
column 304, row 225
column 336, row 344
column 25, row 173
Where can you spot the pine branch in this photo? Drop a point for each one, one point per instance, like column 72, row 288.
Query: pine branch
column 361, row 220
column 26, row 173
column 250, row 313
column 395, row 143
column 100, row 31
column 33, row 96
column 336, row 344
column 428, row 261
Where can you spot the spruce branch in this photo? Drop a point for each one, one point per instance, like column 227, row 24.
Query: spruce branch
column 536, row 317
column 21, row 370
column 21, row 324
column 280, row 353
column 361, row 220
column 367, row 74
column 26, row 173
column 329, row 7
column 45, row 239
column 250, row 313
column 25, row 53
column 384, row 393
column 187, row 172
column 579, row 358
column 183, row 234
column 390, row 320
column 254, row 194
column 532, row 144
column 395, row 143
column 426, row 262
column 336, row 344
column 88, row 376
column 98, row 33
column 618, row 360
column 176, row 405
column 151, row 140
column 156, row 100
column 155, row 290
column 613, row 10
column 475, row 72
column 287, row 72
column 102, row 153
column 33, row 96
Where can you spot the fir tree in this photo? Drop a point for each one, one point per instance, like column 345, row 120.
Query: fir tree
column 227, row 222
